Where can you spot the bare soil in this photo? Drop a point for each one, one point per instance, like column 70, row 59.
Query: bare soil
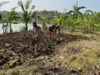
column 17, row 48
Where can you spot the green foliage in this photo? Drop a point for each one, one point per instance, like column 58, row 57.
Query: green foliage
column 2, row 73
column 88, row 59
column 44, row 26
column 15, row 31
column 46, row 21
column 33, row 68
column 15, row 22
column 0, row 16
column 11, row 16
column 28, row 4
column 88, row 21
column 42, row 71
column 13, row 71
column 76, row 11
column 27, row 14
column 66, row 74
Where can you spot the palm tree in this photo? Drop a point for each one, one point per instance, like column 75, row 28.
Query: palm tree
column 26, row 13
column 76, row 11
column 11, row 16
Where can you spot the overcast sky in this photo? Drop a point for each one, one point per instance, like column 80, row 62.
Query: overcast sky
column 59, row 5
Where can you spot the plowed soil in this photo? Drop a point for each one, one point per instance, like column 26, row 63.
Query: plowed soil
column 17, row 48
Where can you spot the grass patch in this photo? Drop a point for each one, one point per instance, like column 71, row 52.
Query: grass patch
column 86, row 61
column 66, row 74
column 33, row 68
column 42, row 71
column 2, row 73
column 14, row 71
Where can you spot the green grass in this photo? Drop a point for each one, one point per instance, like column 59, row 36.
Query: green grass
column 66, row 74
column 14, row 71
column 2, row 73
column 88, row 59
column 33, row 68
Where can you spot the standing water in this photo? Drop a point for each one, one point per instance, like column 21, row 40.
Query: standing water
column 17, row 27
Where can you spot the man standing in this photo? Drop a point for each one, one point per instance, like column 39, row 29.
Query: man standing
column 38, row 37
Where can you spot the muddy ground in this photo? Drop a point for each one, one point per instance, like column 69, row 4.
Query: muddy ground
column 17, row 48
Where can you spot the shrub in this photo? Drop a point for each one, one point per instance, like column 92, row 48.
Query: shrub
column 15, row 31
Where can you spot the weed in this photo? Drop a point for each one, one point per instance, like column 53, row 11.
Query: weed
column 14, row 71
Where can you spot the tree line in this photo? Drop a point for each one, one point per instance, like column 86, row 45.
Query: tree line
column 74, row 19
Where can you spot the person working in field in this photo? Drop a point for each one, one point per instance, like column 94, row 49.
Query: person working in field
column 38, row 37
column 53, row 29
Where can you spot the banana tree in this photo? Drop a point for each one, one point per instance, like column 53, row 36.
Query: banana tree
column 76, row 11
column 26, row 12
column 62, row 19
column 11, row 16
column 88, row 14
column 89, row 17
column 1, row 19
column 45, row 21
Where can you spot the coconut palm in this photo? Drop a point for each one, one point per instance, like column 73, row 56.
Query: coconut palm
column 26, row 13
column 76, row 11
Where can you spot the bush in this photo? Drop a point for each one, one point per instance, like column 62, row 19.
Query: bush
column 15, row 31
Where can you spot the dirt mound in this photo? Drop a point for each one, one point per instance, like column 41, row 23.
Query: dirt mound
column 16, row 48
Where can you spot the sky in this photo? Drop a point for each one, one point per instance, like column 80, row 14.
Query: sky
column 59, row 5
